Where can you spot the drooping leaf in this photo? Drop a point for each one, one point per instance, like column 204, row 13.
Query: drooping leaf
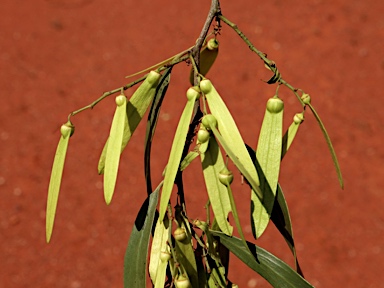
column 213, row 163
column 112, row 157
column 271, row 268
column 135, row 259
column 208, row 55
column 192, row 155
column 280, row 213
column 185, row 254
column 56, row 176
column 157, row 267
column 177, row 150
column 153, row 116
column 268, row 151
column 329, row 143
column 136, row 107
column 260, row 209
column 291, row 133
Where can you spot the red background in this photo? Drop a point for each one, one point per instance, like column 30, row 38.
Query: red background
column 57, row 56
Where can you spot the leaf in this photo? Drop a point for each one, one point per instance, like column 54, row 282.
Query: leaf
column 192, row 155
column 136, row 107
column 185, row 254
column 289, row 136
column 112, row 157
column 268, row 151
column 157, row 267
column 177, row 150
column 330, row 146
column 135, row 259
column 56, row 176
column 260, row 211
column 208, row 55
column 212, row 162
column 271, row 268
column 153, row 116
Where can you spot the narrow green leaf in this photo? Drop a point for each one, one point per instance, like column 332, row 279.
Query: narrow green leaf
column 330, row 146
column 213, row 163
column 280, row 213
column 185, row 254
column 268, row 151
column 177, row 150
column 227, row 127
column 56, row 175
column 260, row 209
column 232, row 137
column 112, row 157
column 157, row 268
column 192, row 155
column 271, row 268
column 135, row 259
column 136, row 107
column 290, row 135
column 153, row 116
column 208, row 55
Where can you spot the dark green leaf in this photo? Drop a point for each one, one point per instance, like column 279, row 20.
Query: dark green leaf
column 135, row 259
column 271, row 268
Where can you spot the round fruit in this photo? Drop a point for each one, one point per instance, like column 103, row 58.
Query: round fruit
column 120, row 100
column 193, row 93
column 67, row 129
column 165, row 256
column 298, row 118
column 212, row 44
column 203, row 135
column 209, row 120
column 180, row 234
column 306, row 98
column 225, row 176
column 206, row 86
column 182, row 282
column 275, row 105
column 153, row 76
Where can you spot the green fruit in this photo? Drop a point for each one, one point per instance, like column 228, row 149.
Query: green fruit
column 203, row 135
column 298, row 118
column 225, row 176
column 120, row 100
column 306, row 98
column 193, row 93
column 180, row 234
column 205, row 86
column 165, row 256
column 67, row 129
column 212, row 44
column 182, row 282
column 275, row 105
column 209, row 120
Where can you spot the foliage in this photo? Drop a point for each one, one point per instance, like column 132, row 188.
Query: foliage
column 186, row 252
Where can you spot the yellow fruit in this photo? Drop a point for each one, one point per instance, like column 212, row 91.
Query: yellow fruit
column 180, row 234
column 275, row 104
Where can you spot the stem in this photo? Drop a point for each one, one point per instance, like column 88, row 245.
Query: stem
column 214, row 11
column 263, row 56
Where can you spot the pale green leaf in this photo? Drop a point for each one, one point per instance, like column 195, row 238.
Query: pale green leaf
column 290, row 135
column 232, row 137
column 54, row 184
column 268, row 151
column 135, row 109
column 176, row 152
column 185, row 254
column 135, row 259
column 159, row 245
column 212, row 162
column 112, row 157
column 192, row 155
